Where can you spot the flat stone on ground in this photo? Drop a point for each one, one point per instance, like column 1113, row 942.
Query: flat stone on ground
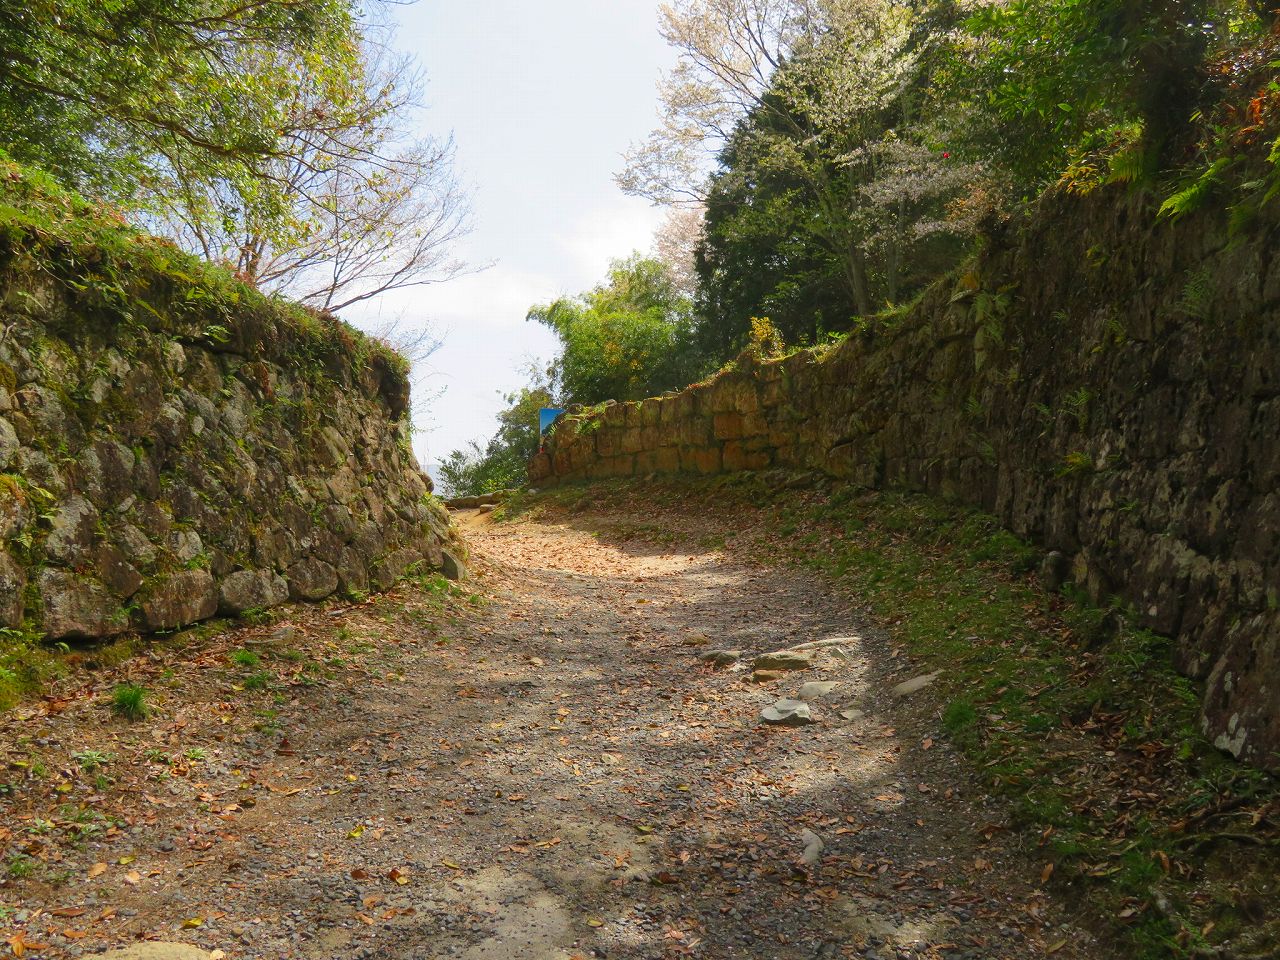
column 790, row 713
column 816, row 689
column 721, row 658
column 783, row 660
column 915, row 684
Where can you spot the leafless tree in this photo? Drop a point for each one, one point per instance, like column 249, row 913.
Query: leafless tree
column 365, row 208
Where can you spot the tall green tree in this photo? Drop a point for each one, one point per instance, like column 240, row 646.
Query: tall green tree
column 502, row 463
column 1050, row 80
column 628, row 338
column 98, row 92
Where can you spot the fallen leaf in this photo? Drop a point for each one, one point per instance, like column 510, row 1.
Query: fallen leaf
column 97, row 870
column 595, row 922
column 1046, row 873
column 192, row 922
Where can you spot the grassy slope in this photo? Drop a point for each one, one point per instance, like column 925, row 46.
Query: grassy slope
column 1075, row 717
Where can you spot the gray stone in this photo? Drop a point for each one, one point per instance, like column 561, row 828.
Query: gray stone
column 104, row 472
column 783, row 660
column 71, row 530
column 353, row 574
column 13, row 509
column 156, row 950
column 251, row 590
column 78, row 608
column 825, row 643
column 915, row 684
column 116, row 571
column 721, row 658
column 180, row 599
column 311, row 579
column 453, row 567
column 787, row 713
column 135, row 545
column 185, row 545
column 813, row 847
column 385, row 573
column 13, row 581
column 853, row 713
column 816, row 689
column 343, row 486
column 1055, row 568
column 8, row 443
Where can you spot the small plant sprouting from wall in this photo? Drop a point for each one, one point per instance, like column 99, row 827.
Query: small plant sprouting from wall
column 1076, row 404
column 1197, row 296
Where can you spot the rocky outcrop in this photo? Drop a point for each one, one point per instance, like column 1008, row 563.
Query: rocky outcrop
column 1106, row 384
column 175, row 446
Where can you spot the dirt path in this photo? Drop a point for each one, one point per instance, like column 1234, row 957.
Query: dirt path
column 553, row 775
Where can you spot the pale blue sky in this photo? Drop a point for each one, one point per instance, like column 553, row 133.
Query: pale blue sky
column 542, row 99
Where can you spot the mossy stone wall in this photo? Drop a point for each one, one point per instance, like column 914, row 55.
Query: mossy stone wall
column 1106, row 384
column 170, row 451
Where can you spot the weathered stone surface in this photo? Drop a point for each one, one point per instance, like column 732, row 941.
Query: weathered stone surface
column 251, row 590
column 353, row 573
column 116, row 571
column 384, row 573
column 14, row 514
column 168, row 465
column 783, row 660
column 104, row 472
column 13, row 581
column 767, row 676
column 8, row 443
column 915, row 684
column 816, row 689
column 134, row 544
column 77, row 608
column 787, row 713
column 179, row 600
column 157, row 951
column 453, row 567
column 311, row 579
column 72, row 530
column 721, row 658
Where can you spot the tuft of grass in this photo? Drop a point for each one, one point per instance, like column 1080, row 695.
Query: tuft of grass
column 245, row 658
column 20, row 866
column 259, row 680
column 91, row 760
column 129, row 700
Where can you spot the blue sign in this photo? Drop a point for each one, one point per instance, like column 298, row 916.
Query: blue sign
column 546, row 417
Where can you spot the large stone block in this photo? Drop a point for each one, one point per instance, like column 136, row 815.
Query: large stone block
column 179, row 599
column 251, row 590
column 71, row 531
column 13, row 584
column 78, row 608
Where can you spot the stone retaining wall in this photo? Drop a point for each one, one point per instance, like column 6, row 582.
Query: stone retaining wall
column 1108, row 386
column 165, row 461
